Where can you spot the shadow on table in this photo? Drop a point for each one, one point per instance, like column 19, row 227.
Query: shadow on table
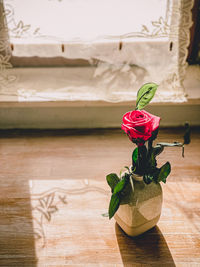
column 17, row 244
column 149, row 248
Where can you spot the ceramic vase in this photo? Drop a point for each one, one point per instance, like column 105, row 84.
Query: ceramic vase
column 141, row 209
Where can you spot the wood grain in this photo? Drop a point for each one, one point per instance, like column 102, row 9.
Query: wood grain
column 53, row 192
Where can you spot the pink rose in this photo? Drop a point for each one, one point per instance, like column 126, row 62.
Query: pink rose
column 139, row 124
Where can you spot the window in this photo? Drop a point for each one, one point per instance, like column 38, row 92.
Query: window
column 93, row 50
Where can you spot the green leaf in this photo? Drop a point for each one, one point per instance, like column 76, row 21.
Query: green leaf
column 120, row 186
column 135, row 155
column 158, row 149
column 114, row 205
column 153, row 160
column 145, row 94
column 125, row 194
column 155, row 152
column 164, row 172
column 152, row 176
column 147, row 178
column 112, row 180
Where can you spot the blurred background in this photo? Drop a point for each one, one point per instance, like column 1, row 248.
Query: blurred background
column 79, row 64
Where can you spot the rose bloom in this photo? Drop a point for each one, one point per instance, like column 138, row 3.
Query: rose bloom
column 139, row 124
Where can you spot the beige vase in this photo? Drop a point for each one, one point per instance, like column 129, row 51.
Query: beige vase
column 142, row 208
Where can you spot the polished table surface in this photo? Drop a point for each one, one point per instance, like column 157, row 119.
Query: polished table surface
column 53, row 195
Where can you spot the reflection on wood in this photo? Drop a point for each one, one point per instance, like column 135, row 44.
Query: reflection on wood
column 46, row 204
column 53, row 195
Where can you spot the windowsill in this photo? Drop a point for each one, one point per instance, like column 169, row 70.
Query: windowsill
column 98, row 114
column 191, row 84
column 9, row 102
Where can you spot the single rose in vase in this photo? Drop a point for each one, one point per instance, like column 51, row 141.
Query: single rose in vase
column 136, row 198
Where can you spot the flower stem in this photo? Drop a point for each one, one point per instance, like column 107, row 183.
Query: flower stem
column 142, row 159
column 150, row 144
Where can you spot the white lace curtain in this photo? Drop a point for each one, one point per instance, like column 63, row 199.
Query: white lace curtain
column 125, row 42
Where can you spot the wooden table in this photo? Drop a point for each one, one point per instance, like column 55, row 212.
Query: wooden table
column 53, row 195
